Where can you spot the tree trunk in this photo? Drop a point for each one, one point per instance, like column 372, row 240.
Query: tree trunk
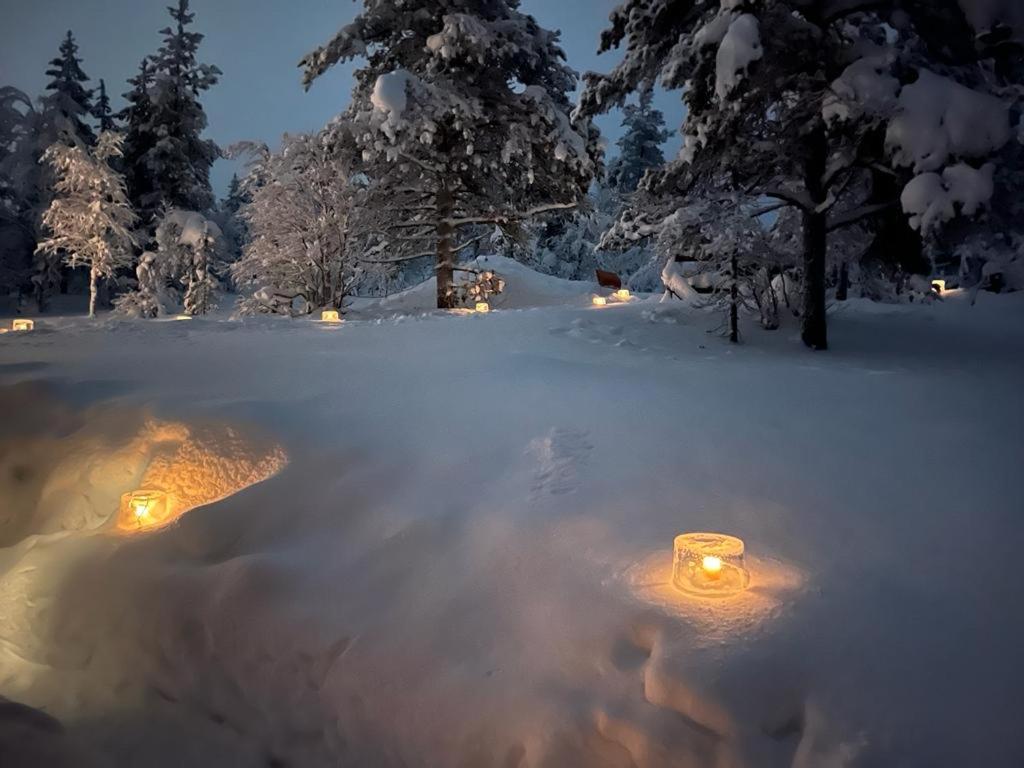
column 815, row 330
column 94, row 277
column 734, row 312
column 445, row 257
column 843, row 289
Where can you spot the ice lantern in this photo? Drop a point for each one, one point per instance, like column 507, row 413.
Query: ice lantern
column 483, row 306
column 939, row 286
column 144, row 509
column 330, row 316
column 21, row 324
column 599, row 301
column 623, row 294
column 709, row 564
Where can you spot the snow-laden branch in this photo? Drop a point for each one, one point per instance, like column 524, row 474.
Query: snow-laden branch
column 425, row 254
column 799, row 199
column 507, row 218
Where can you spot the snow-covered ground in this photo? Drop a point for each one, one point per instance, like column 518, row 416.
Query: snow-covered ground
column 464, row 560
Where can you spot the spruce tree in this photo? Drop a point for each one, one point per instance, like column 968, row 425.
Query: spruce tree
column 460, row 118
column 68, row 103
column 139, row 140
column 640, row 145
column 173, row 154
column 102, row 111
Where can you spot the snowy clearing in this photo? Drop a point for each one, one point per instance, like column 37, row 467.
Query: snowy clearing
column 464, row 561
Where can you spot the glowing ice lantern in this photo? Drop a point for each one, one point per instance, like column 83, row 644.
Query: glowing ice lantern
column 21, row 324
column 622, row 294
column 145, row 509
column 483, row 306
column 939, row 286
column 709, row 564
column 183, row 317
column 330, row 316
column 600, row 301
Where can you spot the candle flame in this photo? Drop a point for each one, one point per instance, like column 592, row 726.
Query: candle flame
column 712, row 565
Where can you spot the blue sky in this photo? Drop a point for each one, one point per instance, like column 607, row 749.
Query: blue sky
column 257, row 43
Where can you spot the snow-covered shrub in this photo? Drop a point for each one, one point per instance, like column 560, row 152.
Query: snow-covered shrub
column 181, row 274
column 480, row 287
column 299, row 256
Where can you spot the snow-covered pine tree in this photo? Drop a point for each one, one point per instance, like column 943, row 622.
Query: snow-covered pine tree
column 139, row 140
column 229, row 219
column 90, row 220
column 300, row 202
column 19, row 193
column 168, row 144
column 67, row 104
column 460, row 117
column 799, row 99
column 65, row 109
column 101, row 109
column 640, row 145
column 202, row 237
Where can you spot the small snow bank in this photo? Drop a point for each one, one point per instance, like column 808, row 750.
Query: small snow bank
column 524, row 288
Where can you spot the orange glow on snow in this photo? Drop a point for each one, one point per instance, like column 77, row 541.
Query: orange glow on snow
column 192, row 467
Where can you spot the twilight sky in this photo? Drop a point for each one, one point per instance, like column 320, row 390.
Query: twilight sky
column 257, row 43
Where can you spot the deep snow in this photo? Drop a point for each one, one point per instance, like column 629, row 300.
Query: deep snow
column 464, row 561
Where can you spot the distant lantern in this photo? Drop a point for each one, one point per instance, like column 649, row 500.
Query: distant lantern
column 483, row 306
column 21, row 324
column 183, row 317
column 939, row 286
column 144, row 509
column 330, row 316
column 709, row 564
column 622, row 294
column 600, row 301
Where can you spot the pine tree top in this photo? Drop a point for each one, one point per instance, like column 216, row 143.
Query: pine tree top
column 68, row 98
column 102, row 110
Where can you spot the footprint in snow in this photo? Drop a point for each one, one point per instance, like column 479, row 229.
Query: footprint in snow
column 560, row 454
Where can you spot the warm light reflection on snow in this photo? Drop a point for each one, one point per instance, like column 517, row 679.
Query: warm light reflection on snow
column 191, row 467
column 773, row 584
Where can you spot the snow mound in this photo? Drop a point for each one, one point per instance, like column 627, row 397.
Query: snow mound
column 524, row 288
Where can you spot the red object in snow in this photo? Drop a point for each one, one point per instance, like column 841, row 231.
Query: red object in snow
column 608, row 279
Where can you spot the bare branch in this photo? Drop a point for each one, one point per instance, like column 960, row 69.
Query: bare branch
column 859, row 214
